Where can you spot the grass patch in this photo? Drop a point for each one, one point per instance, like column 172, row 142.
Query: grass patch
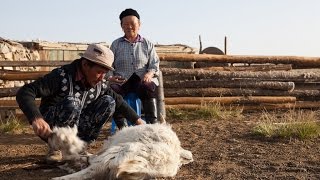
column 204, row 111
column 292, row 124
column 11, row 124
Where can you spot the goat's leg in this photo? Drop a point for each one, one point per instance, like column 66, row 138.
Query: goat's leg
column 84, row 174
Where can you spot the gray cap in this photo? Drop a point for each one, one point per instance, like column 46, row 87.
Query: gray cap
column 99, row 54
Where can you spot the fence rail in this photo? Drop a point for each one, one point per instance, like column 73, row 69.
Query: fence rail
column 255, row 82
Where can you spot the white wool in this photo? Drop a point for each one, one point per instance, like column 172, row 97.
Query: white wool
column 66, row 140
column 137, row 152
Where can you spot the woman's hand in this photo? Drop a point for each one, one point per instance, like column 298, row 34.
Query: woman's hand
column 148, row 76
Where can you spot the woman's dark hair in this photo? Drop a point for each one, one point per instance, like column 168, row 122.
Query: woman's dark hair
column 128, row 12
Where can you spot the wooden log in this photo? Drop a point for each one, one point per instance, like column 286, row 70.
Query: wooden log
column 7, row 70
column 307, row 85
column 315, row 105
column 209, row 92
column 199, row 100
column 264, row 76
column 297, row 61
column 207, row 83
column 229, row 100
column 21, row 76
column 33, row 63
column 8, row 92
column 13, row 103
column 220, row 92
column 297, row 105
column 19, row 71
column 8, row 103
column 269, row 67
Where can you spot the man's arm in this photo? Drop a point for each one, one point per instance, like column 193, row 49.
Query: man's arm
column 42, row 87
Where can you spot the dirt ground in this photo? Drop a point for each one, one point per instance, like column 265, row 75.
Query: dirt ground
column 222, row 149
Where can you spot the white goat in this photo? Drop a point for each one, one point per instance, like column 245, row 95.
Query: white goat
column 136, row 152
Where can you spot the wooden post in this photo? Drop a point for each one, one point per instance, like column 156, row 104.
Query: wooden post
column 160, row 100
column 225, row 45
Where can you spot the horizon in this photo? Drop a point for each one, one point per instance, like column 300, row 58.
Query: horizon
column 275, row 28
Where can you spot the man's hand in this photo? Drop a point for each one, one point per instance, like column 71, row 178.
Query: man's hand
column 117, row 79
column 148, row 76
column 41, row 128
column 140, row 122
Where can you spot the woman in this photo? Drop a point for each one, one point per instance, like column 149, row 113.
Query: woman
column 136, row 65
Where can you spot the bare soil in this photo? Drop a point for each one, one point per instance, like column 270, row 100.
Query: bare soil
column 222, row 149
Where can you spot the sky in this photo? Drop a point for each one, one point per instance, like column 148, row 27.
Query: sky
column 252, row 27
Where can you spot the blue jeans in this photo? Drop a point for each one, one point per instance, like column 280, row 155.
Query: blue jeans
column 89, row 120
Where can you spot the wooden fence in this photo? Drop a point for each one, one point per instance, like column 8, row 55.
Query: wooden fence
column 250, row 82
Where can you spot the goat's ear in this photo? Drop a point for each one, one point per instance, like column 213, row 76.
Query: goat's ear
column 132, row 169
column 185, row 156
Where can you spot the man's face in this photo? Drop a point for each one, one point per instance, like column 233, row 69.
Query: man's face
column 93, row 74
column 130, row 26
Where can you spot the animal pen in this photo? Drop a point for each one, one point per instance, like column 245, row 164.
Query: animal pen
column 191, row 80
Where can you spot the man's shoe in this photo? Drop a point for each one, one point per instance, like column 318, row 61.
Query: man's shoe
column 54, row 156
column 86, row 153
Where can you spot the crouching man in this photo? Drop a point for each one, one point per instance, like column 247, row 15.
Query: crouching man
column 74, row 94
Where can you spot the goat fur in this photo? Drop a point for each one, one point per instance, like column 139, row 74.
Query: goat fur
column 66, row 140
column 136, row 152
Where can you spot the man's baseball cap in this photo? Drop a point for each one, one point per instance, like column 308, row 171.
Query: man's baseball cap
column 99, row 54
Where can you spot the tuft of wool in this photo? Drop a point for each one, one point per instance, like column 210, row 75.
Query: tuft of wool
column 66, row 140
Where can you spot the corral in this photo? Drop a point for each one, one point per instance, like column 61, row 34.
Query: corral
column 222, row 148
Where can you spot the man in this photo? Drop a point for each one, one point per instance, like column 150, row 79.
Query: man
column 136, row 66
column 74, row 94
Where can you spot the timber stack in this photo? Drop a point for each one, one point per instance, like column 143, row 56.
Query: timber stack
column 189, row 79
column 249, row 82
